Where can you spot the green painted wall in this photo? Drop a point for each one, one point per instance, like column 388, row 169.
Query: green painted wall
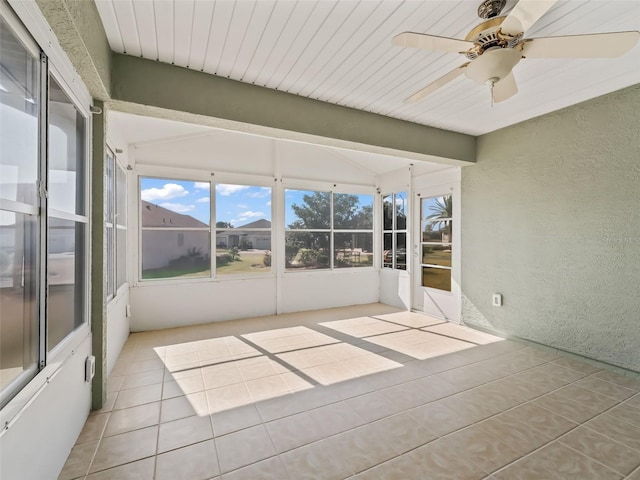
column 551, row 219
column 79, row 30
column 156, row 84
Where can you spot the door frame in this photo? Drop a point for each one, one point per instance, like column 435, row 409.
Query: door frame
column 434, row 302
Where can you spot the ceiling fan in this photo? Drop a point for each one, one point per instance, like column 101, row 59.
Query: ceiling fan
column 495, row 47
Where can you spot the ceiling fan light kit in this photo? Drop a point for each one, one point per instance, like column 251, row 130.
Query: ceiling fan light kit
column 496, row 63
column 497, row 45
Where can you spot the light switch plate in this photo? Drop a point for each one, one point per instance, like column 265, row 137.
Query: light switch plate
column 497, row 299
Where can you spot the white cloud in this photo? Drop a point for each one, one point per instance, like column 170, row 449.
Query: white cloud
column 178, row 207
column 167, row 192
column 202, row 185
column 268, row 204
column 250, row 214
column 203, row 200
column 225, row 190
column 242, row 205
column 263, row 192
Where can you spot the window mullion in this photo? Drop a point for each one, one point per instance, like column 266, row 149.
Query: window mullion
column 44, row 207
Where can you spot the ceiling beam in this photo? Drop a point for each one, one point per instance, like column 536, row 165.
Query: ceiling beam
column 275, row 113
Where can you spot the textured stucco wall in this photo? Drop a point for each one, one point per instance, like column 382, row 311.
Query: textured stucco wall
column 551, row 219
column 77, row 25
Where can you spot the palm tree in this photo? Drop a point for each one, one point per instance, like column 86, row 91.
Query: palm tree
column 443, row 212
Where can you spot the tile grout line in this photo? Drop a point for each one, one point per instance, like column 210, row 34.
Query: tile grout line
column 462, row 391
column 560, row 437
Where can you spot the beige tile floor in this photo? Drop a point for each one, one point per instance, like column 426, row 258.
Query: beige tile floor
column 361, row 392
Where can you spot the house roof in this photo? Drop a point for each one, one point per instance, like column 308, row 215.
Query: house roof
column 262, row 223
column 157, row 216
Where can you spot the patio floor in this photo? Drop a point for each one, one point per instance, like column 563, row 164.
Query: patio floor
column 366, row 392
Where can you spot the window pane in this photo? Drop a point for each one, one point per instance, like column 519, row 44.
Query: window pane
column 110, row 253
column 243, row 239
column 353, row 250
column 437, row 254
column 439, row 278
column 387, row 250
column 233, row 261
column 440, row 231
column 18, row 296
column 109, row 186
column 121, row 260
column 175, row 253
column 306, row 250
column 436, row 207
column 66, row 153
column 307, row 210
column 19, row 106
column 401, row 251
column 352, row 212
column 65, row 279
column 243, row 206
column 174, row 203
column 387, row 212
column 401, row 211
column 121, row 196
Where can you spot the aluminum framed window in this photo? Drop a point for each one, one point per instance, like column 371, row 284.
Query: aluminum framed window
column 44, row 128
column 394, row 230
column 327, row 230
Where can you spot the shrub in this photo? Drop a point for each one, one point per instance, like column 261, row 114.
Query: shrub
column 267, row 259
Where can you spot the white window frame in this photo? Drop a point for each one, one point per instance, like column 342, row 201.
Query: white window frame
column 332, row 189
column 193, row 175
column 394, row 231
column 28, row 24
column 111, row 198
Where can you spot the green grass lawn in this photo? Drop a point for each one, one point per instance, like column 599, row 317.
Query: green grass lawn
column 248, row 263
column 175, row 272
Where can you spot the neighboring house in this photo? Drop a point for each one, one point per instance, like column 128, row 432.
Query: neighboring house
column 245, row 235
column 168, row 235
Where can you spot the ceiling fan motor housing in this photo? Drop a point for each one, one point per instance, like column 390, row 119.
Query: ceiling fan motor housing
column 495, row 63
column 491, row 8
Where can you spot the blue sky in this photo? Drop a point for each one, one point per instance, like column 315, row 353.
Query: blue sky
column 236, row 204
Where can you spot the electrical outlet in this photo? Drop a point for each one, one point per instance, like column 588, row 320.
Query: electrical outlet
column 89, row 368
column 497, row 299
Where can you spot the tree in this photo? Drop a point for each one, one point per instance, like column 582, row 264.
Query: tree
column 315, row 212
column 443, row 212
column 223, row 225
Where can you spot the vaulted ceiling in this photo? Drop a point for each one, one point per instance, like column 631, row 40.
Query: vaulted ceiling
column 340, row 51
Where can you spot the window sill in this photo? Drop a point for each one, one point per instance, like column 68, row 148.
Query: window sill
column 19, row 404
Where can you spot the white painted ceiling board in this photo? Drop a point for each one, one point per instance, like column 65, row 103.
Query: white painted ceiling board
column 183, row 36
column 340, row 51
column 128, row 26
column 252, row 38
column 240, row 21
column 145, row 20
column 202, row 15
column 163, row 12
column 111, row 25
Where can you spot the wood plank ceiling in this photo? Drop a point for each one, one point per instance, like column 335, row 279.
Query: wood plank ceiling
column 340, row 51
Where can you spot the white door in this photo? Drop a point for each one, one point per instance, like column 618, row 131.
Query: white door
column 436, row 252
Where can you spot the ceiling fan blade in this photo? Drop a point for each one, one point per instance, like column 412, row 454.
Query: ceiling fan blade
column 597, row 45
column 524, row 15
column 505, row 88
column 431, row 42
column 441, row 82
